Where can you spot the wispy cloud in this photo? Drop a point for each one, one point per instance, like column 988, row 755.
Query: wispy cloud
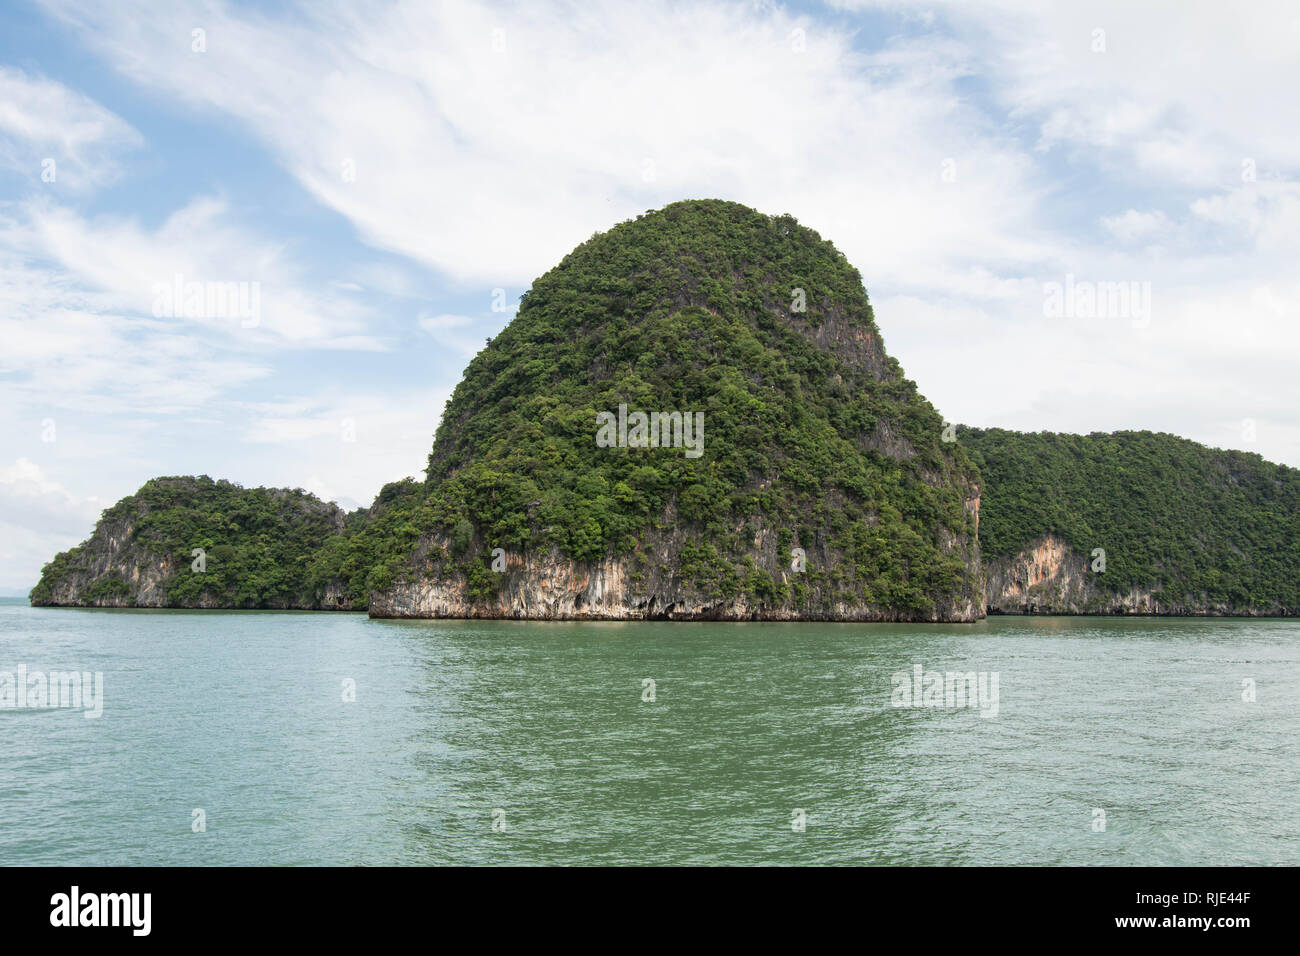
column 962, row 155
column 200, row 243
column 35, row 514
column 486, row 141
column 460, row 333
column 52, row 135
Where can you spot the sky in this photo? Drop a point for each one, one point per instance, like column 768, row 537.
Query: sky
column 1069, row 217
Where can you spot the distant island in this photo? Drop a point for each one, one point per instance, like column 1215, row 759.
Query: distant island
column 693, row 417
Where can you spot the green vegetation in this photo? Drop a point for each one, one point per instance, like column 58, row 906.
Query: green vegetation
column 376, row 545
column 690, row 309
column 1185, row 521
column 811, row 432
column 812, row 438
column 260, row 544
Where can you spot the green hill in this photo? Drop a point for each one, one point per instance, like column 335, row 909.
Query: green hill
column 1185, row 528
column 257, row 547
column 813, row 439
column 796, row 474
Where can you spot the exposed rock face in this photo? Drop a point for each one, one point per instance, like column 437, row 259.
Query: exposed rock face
column 107, row 556
column 826, row 492
column 1043, row 579
column 1050, row 577
column 130, row 561
column 818, row 448
column 1183, row 529
column 643, row 586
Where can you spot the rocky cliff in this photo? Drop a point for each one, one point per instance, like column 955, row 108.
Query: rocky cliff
column 191, row 542
column 693, row 417
column 642, row 586
column 1135, row 523
column 1050, row 577
column 794, row 473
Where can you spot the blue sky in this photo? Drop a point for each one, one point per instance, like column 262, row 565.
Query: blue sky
column 380, row 170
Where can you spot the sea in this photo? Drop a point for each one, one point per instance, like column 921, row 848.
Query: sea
column 213, row 738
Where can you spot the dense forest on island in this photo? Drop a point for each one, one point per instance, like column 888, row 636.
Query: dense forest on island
column 811, row 429
column 1173, row 516
column 256, row 547
column 814, row 440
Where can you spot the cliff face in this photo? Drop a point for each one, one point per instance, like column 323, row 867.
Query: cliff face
column 783, row 468
column 820, row 489
column 642, row 586
column 109, row 572
column 1184, row 529
column 1050, row 577
column 254, row 544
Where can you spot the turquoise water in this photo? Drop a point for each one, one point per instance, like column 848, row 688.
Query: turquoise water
column 460, row 725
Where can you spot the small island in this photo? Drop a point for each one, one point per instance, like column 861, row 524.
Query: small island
column 816, row 483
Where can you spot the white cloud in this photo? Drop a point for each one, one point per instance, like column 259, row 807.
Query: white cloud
column 982, row 151
column 351, row 440
column 102, row 393
column 462, row 334
column 80, row 339
column 24, row 479
column 325, row 492
column 43, row 121
column 36, row 515
column 199, row 243
column 1134, row 226
column 489, row 164
column 69, row 347
column 1266, row 215
column 1184, row 90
